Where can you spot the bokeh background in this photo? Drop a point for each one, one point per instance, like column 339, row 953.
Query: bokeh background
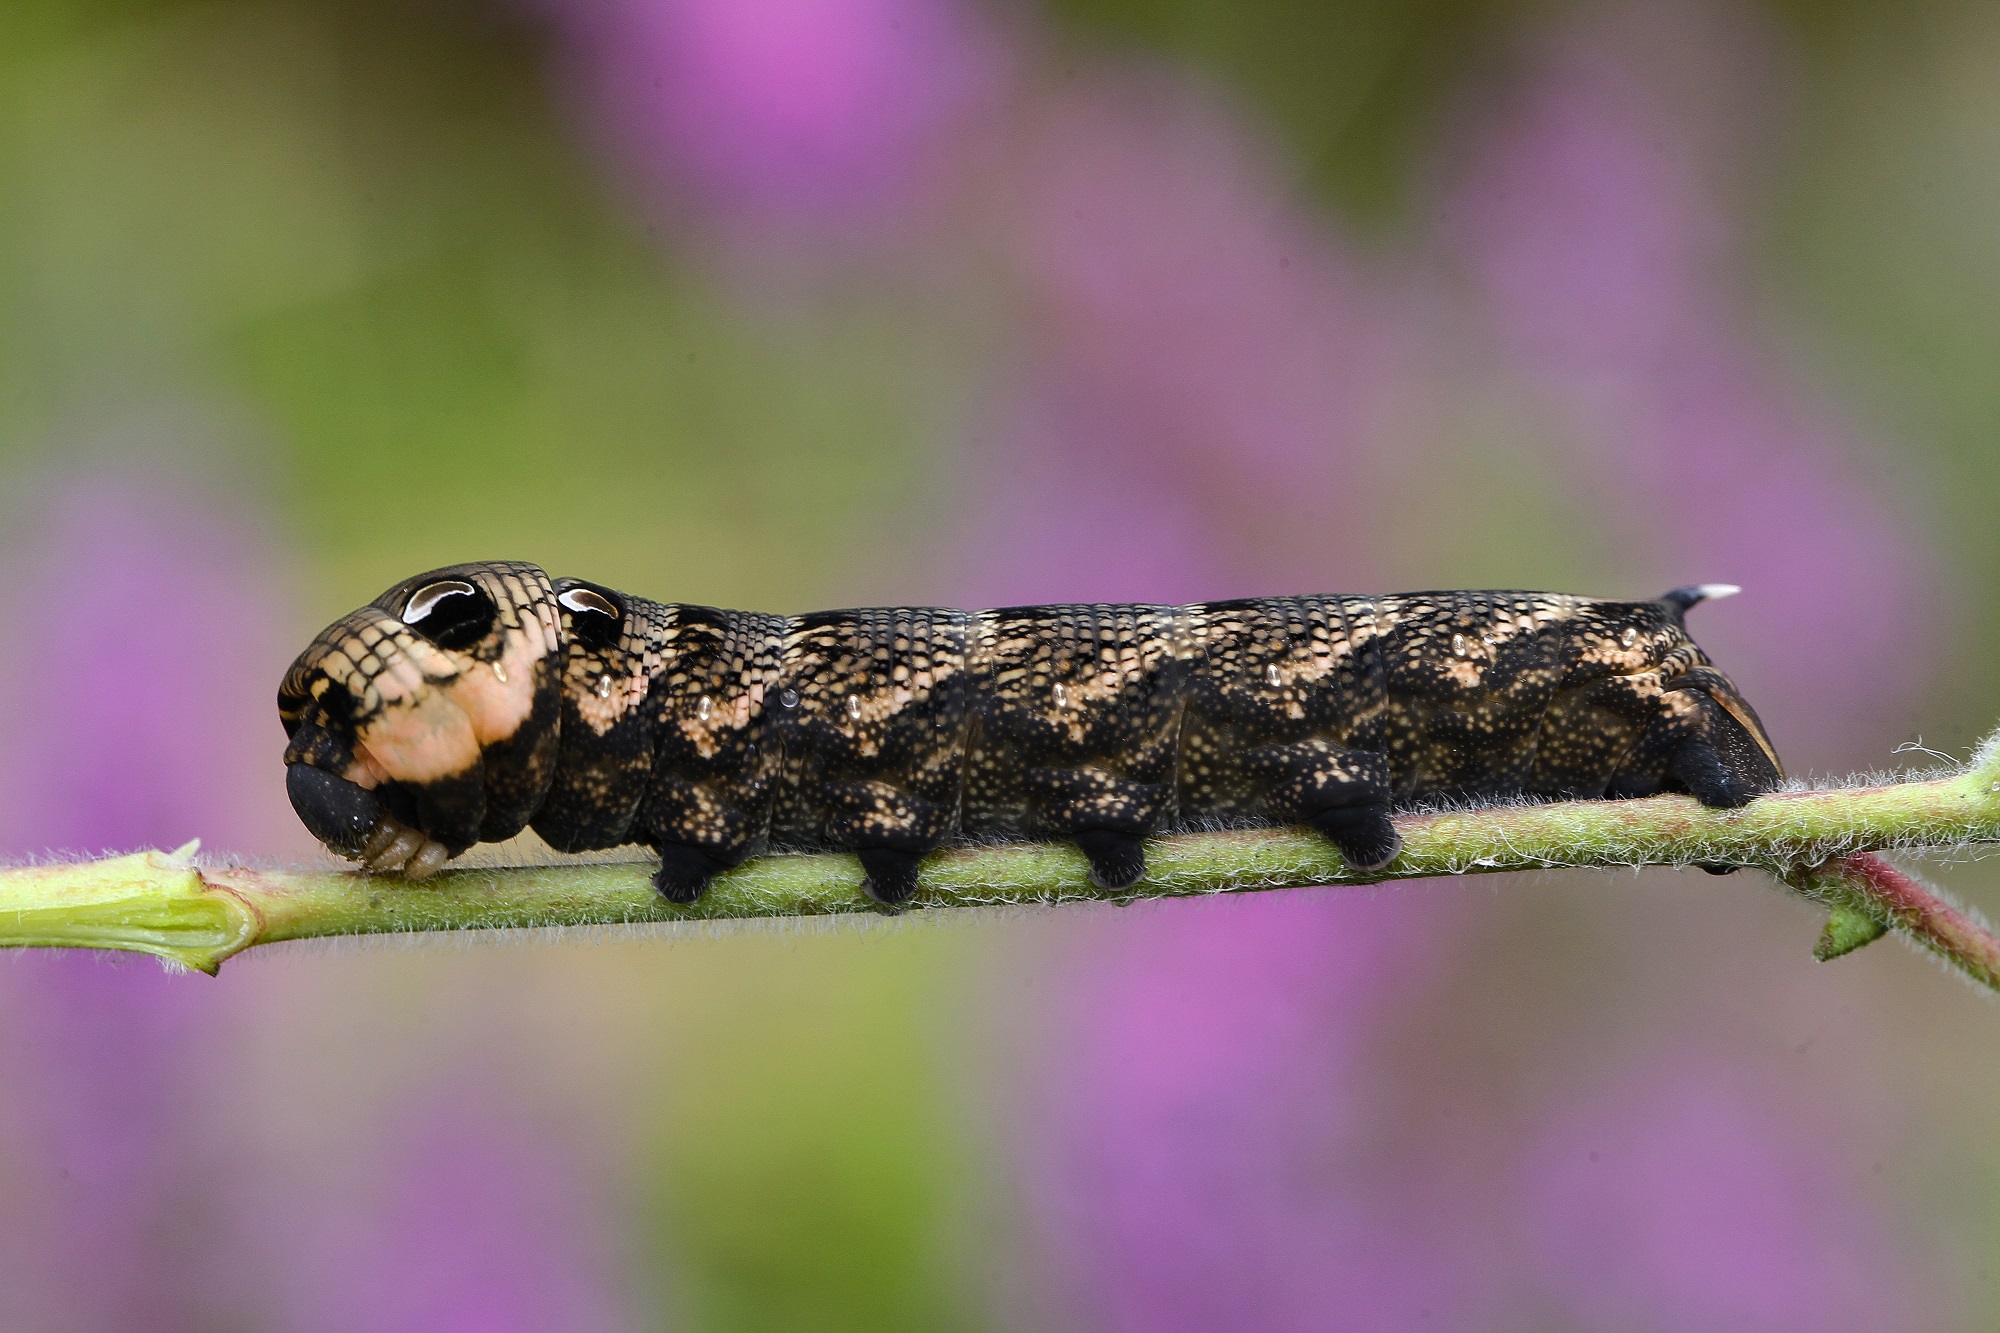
column 794, row 303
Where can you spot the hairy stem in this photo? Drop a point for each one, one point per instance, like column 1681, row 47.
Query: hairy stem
column 1820, row 843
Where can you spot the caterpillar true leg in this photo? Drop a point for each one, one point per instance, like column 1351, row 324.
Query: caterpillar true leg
column 449, row 809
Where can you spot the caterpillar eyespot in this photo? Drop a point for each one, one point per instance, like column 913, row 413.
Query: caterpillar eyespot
column 425, row 600
column 890, row 732
column 449, row 612
column 594, row 617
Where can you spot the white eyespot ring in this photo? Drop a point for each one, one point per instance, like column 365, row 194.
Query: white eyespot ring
column 587, row 602
column 425, row 599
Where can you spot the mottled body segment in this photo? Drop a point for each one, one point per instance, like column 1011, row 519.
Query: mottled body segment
column 1074, row 719
column 468, row 702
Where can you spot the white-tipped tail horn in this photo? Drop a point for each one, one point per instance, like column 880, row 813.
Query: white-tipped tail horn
column 1698, row 593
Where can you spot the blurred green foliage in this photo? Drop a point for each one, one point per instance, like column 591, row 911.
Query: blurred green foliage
column 819, row 1184
column 1880, row 240
column 371, row 224
column 1353, row 90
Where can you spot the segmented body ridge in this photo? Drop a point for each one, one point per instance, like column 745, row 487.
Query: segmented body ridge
column 712, row 735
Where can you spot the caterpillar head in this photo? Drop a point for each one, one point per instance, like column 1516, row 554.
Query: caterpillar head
column 427, row 720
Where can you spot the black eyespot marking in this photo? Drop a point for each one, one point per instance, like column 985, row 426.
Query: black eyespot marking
column 451, row 613
column 596, row 619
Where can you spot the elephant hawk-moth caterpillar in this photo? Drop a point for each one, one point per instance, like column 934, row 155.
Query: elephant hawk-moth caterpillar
column 468, row 703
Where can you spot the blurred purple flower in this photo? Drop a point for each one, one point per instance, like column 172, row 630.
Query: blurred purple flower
column 1604, row 251
column 794, row 113
column 472, row 1220
column 1065, row 515
column 1203, row 1159
column 1208, row 364
column 133, row 713
column 137, row 710
column 1220, row 347
column 103, row 1061
column 1678, row 1201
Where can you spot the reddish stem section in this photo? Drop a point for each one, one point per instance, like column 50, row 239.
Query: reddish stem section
column 1912, row 906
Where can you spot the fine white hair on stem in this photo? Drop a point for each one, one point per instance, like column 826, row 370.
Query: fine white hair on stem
column 1822, row 839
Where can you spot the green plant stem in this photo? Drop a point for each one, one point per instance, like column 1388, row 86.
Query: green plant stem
column 1820, row 843
column 1869, row 896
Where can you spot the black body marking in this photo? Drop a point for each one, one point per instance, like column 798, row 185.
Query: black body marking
column 335, row 811
column 469, row 702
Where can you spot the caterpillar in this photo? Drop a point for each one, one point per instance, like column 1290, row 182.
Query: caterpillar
column 468, row 703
